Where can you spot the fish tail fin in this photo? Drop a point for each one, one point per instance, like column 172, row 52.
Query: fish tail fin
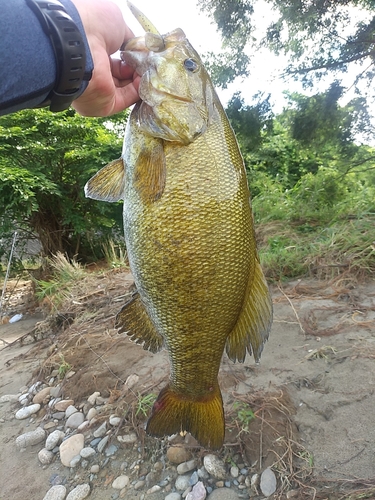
column 203, row 418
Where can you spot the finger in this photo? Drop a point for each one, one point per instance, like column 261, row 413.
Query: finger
column 120, row 70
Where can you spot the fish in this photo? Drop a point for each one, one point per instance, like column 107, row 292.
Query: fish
column 189, row 234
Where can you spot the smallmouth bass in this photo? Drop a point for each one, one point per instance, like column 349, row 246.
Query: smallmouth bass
column 189, row 234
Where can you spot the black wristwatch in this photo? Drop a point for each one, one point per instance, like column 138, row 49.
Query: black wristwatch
column 69, row 48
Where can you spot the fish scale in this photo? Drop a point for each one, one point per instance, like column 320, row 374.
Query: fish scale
column 189, row 235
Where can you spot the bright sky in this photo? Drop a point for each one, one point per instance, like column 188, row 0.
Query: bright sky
column 167, row 15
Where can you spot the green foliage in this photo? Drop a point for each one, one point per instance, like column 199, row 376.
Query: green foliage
column 244, row 415
column 144, row 404
column 45, row 160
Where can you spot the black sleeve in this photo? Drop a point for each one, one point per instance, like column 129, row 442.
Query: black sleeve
column 27, row 61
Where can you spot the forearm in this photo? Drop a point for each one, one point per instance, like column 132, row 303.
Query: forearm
column 28, row 68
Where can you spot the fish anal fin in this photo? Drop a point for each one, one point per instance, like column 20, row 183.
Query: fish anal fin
column 108, row 184
column 150, row 172
column 254, row 323
column 203, row 418
column 136, row 323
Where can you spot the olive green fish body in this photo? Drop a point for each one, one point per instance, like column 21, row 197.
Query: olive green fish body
column 189, row 235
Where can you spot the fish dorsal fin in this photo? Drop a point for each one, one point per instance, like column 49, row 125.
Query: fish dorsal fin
column 254, row 322
column 108, row 184
column 136, row 323
column 150, row 172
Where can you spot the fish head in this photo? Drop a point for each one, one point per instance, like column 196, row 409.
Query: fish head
column 176, row 92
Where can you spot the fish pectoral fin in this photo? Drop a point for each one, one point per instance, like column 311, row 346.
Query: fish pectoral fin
column 136, row 323
column 108, row 184
column 150, row 172
column 254, row 323
column 174, row 412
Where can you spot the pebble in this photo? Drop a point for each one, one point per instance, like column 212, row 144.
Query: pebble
column 31, row 438
column 214, row 466
column 75, row 461
column 27, row 411
column 87, row 452
column 234, row 471
column 42, row 395
column 54, row 439
column 202, row 473
column 173, row 496
column 84, row 426
column 198, row 492
column 182, row 483
column 70, row 410
column 91, row 413
column 186, row 467
column 9, row 398
column 100, row 431
column 128, row 438
column 102, row 444
column 114, row 420
column 70, row 448
column 139, row 485
column 92, row 399
column 194, row 478
column 111, row 450
column 223, row 494
column 268, row 482
column 79, row 493
column 178, row 454
column 154, row 489
column 57, row 492
column 34, row 388
column 59, row 415
column 95, row 469
column 75, row 420
column 120, row 482
column 55, row 391
column 63, row 404
column 45, row 456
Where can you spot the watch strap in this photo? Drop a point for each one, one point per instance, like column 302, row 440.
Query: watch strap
column 69, row 49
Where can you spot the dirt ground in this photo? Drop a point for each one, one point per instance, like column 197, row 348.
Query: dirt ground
column 316, row 372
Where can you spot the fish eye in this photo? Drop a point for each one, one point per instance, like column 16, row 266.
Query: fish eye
column 191, row 65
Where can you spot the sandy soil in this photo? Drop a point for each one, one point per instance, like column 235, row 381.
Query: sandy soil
column 317, row 370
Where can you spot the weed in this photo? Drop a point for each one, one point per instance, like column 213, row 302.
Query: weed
column 244, row 414
column 115, row 255
column 64, row 367
column 145, row 403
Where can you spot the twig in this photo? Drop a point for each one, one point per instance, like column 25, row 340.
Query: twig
column 294, row 310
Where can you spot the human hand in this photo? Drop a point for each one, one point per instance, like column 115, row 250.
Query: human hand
column 114, row 85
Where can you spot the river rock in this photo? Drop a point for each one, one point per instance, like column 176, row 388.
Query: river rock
column 114, row 420
column 128, row 438
column 100, row 431
column 9, row 398
column 268, row 482
column 63, row 404
column 182, row 483
column 87, row 452
column 173, row 496
column 70, row 448
column 91, row 413
column 214, row 466
column 120, row 482
column 27, row 411
column 198, row 492
column 42, row 396
column 75, row 420
column 70, row 410
column 178, row 454
column 54, row 439
column 223, row 494
column 57, row 492
column 186, row 467
column 79, row 493
column 31, row 438
column 234, row 471
column 45, row 456
column 92, row 399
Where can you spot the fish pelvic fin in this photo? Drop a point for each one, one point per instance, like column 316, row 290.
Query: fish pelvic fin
column 174, row 412
column 134, row 321
column 150, row 172
column 254, row 323
column 108, row 184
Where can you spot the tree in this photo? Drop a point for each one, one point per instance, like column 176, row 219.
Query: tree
column 319, row 36
column 45, row 160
